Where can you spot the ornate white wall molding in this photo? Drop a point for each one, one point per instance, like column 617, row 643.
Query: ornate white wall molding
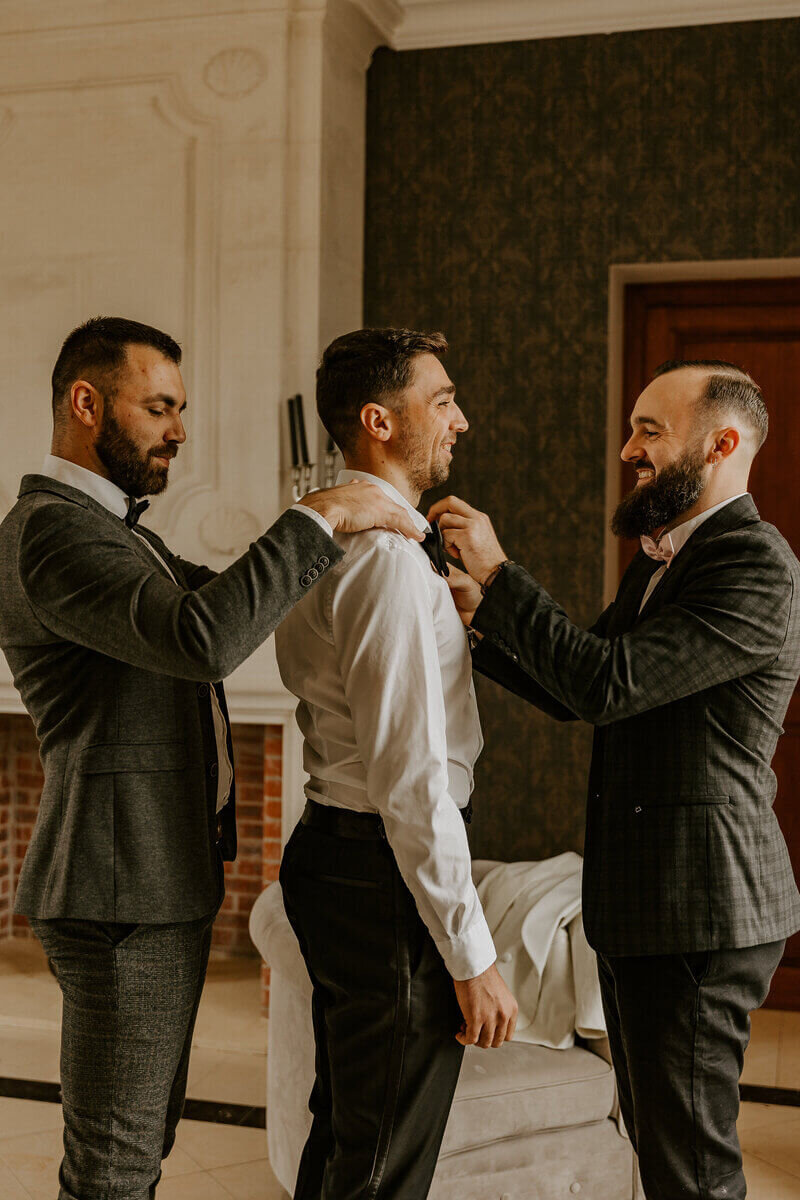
column 431, row 23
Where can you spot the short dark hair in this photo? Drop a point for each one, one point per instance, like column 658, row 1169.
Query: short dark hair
column 728, row 389
column 367, row 365
column 97, row 349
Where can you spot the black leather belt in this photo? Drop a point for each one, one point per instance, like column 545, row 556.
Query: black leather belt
column 343, row 822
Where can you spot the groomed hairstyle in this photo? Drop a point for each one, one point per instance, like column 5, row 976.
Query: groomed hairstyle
column 729, row 389
column 97, row 349
column 368, row 366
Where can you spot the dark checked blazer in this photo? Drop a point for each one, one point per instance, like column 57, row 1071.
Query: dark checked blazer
column 683, row 851
column 113, row 661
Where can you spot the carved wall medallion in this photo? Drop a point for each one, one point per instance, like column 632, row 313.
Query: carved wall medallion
column 229, row 530
column 235, row 72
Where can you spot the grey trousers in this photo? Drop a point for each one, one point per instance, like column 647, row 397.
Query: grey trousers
column 131, row 994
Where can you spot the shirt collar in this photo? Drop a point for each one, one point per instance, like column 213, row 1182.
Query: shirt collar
column 102, row 490
column 391, row 492
column 679, row 536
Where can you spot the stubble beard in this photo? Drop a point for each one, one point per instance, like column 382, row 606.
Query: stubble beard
column 422, row 472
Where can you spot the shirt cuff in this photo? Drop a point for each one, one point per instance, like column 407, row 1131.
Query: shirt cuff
column 315, row 516
column 471, row 953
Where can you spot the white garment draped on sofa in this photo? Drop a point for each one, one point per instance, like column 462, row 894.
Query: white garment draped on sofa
column 534, row 912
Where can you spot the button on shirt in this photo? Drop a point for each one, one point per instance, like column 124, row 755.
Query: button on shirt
column 379, row 660
column 114, row 499
column 679, row 536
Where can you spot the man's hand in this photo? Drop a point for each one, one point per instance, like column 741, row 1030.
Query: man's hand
column 359, row 505
column 489, row 1010
column 468, row 535
column 466, row 594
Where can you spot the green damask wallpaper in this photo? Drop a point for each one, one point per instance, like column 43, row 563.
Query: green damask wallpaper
column 502, row 181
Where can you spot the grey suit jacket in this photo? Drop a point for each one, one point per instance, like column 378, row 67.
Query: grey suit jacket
column 113, row 662
column 683, row 851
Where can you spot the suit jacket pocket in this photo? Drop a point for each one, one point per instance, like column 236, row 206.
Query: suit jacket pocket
column 111, row 757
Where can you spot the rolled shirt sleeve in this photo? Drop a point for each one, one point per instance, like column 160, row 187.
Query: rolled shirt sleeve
column 383, row 629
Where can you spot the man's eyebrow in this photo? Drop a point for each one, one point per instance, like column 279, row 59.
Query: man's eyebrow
column 635, row 421
column 450, row 390
column 163, row 398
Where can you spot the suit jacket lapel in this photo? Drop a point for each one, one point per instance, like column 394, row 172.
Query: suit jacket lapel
column 739, row 512
column 629, row 596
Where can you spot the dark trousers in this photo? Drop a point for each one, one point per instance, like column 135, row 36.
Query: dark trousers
column 679, row 1025
column 131, row 994
column 385, row 1019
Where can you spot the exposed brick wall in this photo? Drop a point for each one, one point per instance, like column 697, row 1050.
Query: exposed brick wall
column 257, row 755
column 258, row 762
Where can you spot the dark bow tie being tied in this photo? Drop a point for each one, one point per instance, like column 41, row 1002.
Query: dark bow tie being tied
column 135, row 510
column 433, row 545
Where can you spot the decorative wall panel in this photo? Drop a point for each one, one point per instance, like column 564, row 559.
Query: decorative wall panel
column 502, row 183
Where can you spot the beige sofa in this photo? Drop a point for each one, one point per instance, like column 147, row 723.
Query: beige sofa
column 527, row 1123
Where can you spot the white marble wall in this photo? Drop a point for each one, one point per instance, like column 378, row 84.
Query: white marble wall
column 198, row 167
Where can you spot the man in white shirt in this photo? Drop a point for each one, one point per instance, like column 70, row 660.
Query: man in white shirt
column 376, row 877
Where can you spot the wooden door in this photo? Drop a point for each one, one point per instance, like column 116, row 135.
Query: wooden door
column 755, row 324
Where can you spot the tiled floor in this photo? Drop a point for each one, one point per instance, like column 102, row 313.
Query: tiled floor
column 224, row 1162
column 209, row 1162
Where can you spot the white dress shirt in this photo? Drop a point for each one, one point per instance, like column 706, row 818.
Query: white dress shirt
column 678, row 537
column 114, row 499
column 379, row 660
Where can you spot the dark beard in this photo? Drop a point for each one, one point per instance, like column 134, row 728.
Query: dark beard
column 127, row 466
column 651, row 505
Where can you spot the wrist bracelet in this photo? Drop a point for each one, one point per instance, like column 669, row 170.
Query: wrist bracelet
column 490, row 578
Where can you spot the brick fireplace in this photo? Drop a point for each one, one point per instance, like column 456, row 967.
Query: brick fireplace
column 258, row 753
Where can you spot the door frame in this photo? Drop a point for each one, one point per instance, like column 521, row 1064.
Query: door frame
column 619, row 276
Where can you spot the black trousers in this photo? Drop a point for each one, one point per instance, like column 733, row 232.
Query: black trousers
column 131, row 994
column 679, row 1025
column 385, row 1019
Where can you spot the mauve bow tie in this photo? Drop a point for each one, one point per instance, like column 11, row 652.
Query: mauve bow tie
column 135, row 510
column 434, row 548
column 660, row 548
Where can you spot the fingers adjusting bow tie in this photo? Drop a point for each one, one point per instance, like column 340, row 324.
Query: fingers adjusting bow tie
column 433, row 545
column 660, row 548
column 135, row 510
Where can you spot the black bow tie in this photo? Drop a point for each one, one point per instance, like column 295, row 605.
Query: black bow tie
column 434, row 548
column 135, row 510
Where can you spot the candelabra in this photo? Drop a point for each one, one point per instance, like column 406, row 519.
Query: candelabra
column 302, row 468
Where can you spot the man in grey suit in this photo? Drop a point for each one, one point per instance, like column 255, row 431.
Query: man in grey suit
column 688, row 888
column 117, row 646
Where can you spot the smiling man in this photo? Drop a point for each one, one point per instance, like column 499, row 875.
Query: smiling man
column 688, row 889
column 377, row 877
column 117, row 647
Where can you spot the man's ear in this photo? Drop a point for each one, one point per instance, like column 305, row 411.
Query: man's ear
column 725, row 442
column 376, row 420
column 86, row 403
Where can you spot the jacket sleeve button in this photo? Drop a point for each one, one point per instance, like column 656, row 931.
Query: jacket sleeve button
column 306, row 580
column 324, row 561
column 213, row 770
column 202, row 690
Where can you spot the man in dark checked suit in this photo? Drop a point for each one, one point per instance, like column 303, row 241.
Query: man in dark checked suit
column 688, row 889
column 117, row 646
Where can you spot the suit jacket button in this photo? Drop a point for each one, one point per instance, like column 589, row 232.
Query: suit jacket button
column 213, row 770
column 638, row 808
column 306, row 581
column 202, row 690
column 313, row 572
column 324, row 562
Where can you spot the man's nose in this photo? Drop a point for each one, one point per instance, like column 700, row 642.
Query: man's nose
column 176, row 432
column 630, row 452
column 459, row 422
